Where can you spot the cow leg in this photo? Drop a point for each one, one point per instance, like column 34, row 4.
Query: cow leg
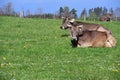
column 108, row 44
column 84, row 44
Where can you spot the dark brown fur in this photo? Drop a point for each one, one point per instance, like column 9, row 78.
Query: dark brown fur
column 91, row 26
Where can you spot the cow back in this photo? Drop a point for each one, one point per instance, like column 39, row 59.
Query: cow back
column 92, row 39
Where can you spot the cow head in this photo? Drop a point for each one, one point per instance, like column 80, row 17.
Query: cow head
column 75, row 30
column 65, row 22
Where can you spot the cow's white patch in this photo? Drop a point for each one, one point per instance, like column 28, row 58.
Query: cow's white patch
column 63, row 27
column 109, row 44
column 80, row 29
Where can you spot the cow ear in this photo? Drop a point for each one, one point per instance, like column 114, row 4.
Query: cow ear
column 72, row 21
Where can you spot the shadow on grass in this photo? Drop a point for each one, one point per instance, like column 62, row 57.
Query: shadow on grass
column 65, row 35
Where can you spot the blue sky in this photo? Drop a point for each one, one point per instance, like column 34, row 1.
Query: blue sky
column 52, row 6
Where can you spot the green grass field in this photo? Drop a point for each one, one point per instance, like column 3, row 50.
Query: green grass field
column 37, row 49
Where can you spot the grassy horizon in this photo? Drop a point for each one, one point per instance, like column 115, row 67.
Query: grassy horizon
column 37, row 49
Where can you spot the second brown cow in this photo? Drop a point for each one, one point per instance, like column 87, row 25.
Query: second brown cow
column 81, row 37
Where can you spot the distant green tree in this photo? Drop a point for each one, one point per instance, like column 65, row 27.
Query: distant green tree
column 8, row 10
column 83, row 14
column 95, row 13
column 98, row 11
column 105, row 10
column 111, row 11
column 92, row 16
column 66, row 11
column 61, row 12
column 28, row 12
column 1, row 11
column 73, row 13
column 90, row 11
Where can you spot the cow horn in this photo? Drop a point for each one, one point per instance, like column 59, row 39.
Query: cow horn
column 72, row 20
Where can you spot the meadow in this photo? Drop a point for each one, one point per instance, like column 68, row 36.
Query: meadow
column 37, row 49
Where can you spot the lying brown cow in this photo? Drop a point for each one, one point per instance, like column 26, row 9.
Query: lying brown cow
column 84, row 38
column 88, row 26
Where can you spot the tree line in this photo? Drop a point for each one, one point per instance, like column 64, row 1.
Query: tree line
column 90, row 14
column 95, row 13
column 8, row 10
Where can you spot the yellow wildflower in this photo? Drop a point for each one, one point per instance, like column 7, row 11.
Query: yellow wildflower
column 2, row 65
column 4, row 58
column 115, row 70
column 10, row 64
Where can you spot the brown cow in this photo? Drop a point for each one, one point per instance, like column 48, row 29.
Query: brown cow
column 89, row 26
column 106, row 17
column 84, row 38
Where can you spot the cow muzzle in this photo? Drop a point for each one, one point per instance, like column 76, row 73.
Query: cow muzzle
column 63, row 27
column 74, row 43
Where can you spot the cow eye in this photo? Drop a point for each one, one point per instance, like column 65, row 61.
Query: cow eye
column 80, row 29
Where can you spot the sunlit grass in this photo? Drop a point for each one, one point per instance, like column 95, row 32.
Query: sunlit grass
column 35, row 49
